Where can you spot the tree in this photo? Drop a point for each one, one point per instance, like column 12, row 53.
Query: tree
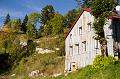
column 23, row 26
column 83, row 3
column 33, row 19
column 47, row 29
column 16, row 25
column 31, row 31
column 70, row 17
column 47, row 13
column 57, row 24
column 100, row 10
column 54, row 26
column 30, row 47
column 7, row 19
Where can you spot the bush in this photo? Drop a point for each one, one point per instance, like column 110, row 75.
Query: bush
column 101, row 62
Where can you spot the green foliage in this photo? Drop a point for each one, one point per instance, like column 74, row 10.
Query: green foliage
column 100, row 10
column 15, row 25
column 46, row 14
column 70, row 17
column 98, row 26
column 111, row 71
column 54, row 26
column 9, row 42
column 102, row 7
column 9, row 49
column 31, row 31
column 23, row 26
column 11, row 52
column 83, row 3
column 101, row 62
column 30, row 47
column 47, row 30
column 57, row 24
column 31, row 25
column 34, row 18
column 48, row 64
column 7, row 19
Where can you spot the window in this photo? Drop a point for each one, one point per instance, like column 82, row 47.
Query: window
column 70, row 36
column 70, row 39
column 80, row 30
column 77, row 48
column 84, row 45
column 96, row 44
column 89, row 26
column 71, row 50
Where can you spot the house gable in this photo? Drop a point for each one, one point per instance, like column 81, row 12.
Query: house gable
column 85, row 9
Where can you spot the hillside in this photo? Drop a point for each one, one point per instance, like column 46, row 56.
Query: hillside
column 109, row 72
column 47, row 60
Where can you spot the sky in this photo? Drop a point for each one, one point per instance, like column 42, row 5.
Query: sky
column 19, row 8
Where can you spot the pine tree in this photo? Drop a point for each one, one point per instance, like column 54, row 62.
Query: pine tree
column 7, row 19
column 23, row 26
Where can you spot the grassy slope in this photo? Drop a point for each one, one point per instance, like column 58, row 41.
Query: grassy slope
column 110, row 72
column 48, row 64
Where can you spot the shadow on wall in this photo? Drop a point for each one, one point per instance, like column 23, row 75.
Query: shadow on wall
column 116, row 37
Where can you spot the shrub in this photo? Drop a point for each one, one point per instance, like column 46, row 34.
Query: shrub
column 101, row 62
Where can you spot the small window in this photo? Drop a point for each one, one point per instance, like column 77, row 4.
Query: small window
column 78, row 49
column 89, row 26
column 70, row 50
column 70, row 36
column 84, row 46
column 70, row 40
column 96, row 44
column 80, row 30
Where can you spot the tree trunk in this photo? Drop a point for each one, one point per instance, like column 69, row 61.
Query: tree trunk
column 103, row 45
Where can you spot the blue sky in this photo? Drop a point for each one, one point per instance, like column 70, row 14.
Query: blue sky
column 19, row 8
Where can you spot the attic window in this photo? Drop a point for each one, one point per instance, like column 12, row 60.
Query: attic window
column 80, row 30
column 89, row 26
column 70, row 40
column 70, row 36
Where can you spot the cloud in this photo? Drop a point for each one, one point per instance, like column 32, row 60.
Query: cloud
column 18, row 9
column 13, row 13
column 32, row 6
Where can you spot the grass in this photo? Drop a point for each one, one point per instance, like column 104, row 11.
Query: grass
column 110, row 72
column 48, row 64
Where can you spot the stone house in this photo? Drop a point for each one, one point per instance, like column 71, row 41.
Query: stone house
column 81, row 47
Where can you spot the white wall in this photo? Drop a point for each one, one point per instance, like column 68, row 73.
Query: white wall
column 108, row 36
column 81, row 57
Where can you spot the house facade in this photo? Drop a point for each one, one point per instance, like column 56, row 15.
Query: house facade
column 81, row 47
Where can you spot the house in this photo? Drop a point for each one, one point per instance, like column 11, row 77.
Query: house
column 80, row 46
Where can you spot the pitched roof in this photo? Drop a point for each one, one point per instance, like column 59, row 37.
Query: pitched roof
column 85, row 9
column 89, row 10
